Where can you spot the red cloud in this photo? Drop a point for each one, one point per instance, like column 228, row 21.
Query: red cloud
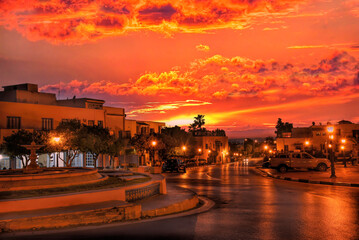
column 82, row 20
column 219, row 77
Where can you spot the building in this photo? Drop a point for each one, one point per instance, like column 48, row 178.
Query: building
column 212, row 147
column 316, row 138
column 24, row 107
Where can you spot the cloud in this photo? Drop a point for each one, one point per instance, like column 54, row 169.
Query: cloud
column 163, row 107
column 202, row 48
column 219, row 78
column 79, row 21
column 340, row 46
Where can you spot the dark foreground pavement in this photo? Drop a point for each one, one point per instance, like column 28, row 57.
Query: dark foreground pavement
column 248, row 206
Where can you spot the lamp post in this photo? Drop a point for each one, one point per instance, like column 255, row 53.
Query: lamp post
column 306, row 145
column 342, row 147
column 330, row 130
column 154, row 144
column 56, row 141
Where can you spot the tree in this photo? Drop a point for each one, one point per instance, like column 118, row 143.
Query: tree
column 197, row 124
column 139, row 142
column 219, row 132
column 114, row 146
column 95, row 140
column 283, row 127
column 70, row 137
column 174, row 139
column 248, row 145
column 12, row 144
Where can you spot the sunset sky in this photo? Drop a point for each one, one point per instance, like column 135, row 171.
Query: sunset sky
column 241, row 63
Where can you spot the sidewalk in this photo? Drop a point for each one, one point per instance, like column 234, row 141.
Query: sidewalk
column 176, row 200
column 345, row 176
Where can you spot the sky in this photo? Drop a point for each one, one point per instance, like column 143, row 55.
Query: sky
column 241, row 63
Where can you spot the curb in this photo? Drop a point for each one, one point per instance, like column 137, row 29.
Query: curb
column 125, row 213
column 206, row 205
column 185, row 205
column 307, row 180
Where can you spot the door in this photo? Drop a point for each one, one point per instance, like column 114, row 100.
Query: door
column 296, row 160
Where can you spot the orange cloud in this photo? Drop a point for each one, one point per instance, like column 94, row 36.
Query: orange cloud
column 218, row 78
column 202, row 48
column 77, row 21
column 163, row 107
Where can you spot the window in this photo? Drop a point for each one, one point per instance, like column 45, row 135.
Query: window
column 47, row 124
column 89, row 160
column 206, row 145
column 338, row 132
column 355, row 134
column 13, row 122
column 65, row 120
column 306, row 156
column 286, row 148
column 152, row 130
column 91, row 123
column 143, row 130
column 100, row 124
column 317, row 133
column 297, row 155
column 128, row 134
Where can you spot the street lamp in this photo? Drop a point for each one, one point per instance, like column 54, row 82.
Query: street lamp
column 342, row 147
column 266, row 147
column 184, row 148
column 330, row 130
column 153, row 143
column 199, row 150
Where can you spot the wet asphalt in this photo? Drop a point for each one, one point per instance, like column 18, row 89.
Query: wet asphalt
column 247, row 206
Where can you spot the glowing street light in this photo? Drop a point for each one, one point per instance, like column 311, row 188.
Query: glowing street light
column 154, row 143
column 56, row 139
column 330, row 129
column 270, row 151
column 209, row 151
column 342, row 147
column 266, row 147
column 343, row 141
column 330, row 146
column 199, row 150
column 184, row 148
column 307, row 143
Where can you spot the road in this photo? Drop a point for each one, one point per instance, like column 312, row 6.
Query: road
column 248, row 206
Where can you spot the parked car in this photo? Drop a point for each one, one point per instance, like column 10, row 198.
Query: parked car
column 284, row 161
column 202, row 162
column 191, row 163
column 173, row 165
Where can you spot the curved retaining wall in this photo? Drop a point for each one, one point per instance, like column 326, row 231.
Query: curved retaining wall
column 86, row 197
column 63, row 177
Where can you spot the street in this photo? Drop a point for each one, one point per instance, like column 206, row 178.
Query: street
column 247, row 206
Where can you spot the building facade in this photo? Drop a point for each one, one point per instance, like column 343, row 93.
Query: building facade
column 24, row 107
column 213, row 149
column 316, row 138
